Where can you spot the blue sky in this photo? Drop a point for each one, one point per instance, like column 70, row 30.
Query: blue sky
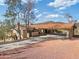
column 51, row 10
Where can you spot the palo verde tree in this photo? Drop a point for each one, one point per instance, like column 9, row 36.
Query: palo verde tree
column 11, row 12
column 15, row 7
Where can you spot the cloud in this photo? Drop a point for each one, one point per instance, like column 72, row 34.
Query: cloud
column 53, row 16
column 62, row 4
column 36, row 11
column 41, row 14
column 25, row 1
column 38, row 15
column 2, row 2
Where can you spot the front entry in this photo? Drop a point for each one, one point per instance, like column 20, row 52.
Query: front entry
column 46, row 31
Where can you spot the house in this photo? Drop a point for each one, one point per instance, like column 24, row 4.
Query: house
column 47, row 28
column 55, row 28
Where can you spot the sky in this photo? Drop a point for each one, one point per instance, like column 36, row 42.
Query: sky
column 50, row 10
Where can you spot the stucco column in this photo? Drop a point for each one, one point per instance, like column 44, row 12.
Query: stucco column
column 28, row 35
column 67, row 34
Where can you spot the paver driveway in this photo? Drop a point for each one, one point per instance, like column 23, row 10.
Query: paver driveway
column 52, row 49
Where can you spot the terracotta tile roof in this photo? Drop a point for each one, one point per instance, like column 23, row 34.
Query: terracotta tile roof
column 54, row 25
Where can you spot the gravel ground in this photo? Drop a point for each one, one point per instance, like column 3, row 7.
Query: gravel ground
column 32, row 40
column 13, row 45
column 51, row 49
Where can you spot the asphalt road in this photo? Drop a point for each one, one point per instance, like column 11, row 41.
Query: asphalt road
column 52, row 49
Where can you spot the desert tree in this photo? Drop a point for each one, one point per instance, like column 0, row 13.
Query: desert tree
column 11, row 11
column 28, row 12
column 11, row 14
column 15, row 7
